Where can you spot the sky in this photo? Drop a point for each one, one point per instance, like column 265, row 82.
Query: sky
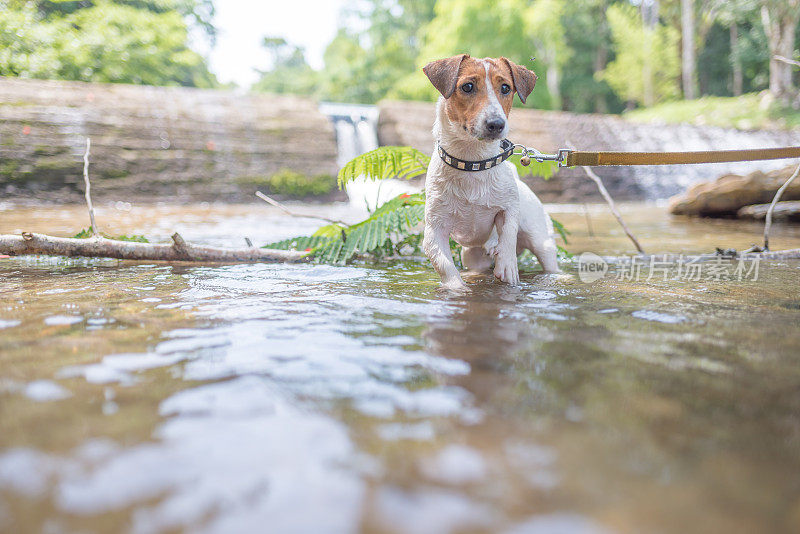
column 242, row 25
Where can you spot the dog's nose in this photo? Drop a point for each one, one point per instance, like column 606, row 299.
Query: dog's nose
column 495, row 125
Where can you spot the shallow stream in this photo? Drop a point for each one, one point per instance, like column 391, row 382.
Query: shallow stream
column 309, row 398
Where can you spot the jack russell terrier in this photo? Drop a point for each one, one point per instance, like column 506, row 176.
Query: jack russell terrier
column 472, row 193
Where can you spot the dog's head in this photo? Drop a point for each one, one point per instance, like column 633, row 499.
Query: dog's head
column 479, row 92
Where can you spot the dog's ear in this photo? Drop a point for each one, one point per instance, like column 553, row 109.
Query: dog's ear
column 443, row 73
column 524, row 79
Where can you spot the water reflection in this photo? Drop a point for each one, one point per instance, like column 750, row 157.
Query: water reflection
column 221, row 399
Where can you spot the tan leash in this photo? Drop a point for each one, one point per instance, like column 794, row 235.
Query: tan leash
column 579, row 158
column 591, row 159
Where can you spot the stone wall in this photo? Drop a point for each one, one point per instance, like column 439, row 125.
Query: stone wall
column 154, row 141
column 409, row 123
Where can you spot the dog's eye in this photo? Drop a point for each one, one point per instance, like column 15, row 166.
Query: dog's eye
column 467, row 87
column 505, row 88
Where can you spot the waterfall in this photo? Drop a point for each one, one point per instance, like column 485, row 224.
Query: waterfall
column 356, row 129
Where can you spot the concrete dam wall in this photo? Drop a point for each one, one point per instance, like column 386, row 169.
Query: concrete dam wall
column 154, row 141
column 193, row 144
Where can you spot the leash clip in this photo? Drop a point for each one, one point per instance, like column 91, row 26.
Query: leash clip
column 531, row 153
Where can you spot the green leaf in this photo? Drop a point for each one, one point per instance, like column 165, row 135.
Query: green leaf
column 563, row 232
column 402, row 162
column 543, row 169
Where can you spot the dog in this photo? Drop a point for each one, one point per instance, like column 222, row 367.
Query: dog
column 490, row 212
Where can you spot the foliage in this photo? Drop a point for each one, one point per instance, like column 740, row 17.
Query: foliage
column 290, row 73
column 86, row 233
column 292, row 183
column 544, row 22
column 361, row 65
column 402, row 162
column 588, row 37
column 139, row 42
column 544, row 169
column 387, row 231
column 647, row 64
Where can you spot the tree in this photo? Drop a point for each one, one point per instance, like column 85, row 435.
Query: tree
column 588, row 38
column 137, row 42
column 780, row 19
column 647, row 65
column 544, row 24
column 290, row 73
column 688, row 50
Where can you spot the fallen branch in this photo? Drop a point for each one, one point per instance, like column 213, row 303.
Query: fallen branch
column 603, row 191
column 775, row 199
column 101, row 247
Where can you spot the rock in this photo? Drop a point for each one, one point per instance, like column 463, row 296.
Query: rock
column 154, row 141
column 725, row 196
column 783, row 211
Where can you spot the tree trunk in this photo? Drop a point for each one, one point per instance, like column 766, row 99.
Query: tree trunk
column 736, row 61
column 649, row 9
column 600, row 61
column 689, row 51
column 553, row 82
column 780, row 18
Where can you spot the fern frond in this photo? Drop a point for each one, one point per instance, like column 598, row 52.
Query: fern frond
column 306, row 243
column 563, row 232
column 403, row 162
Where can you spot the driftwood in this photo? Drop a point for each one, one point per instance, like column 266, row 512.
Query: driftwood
column 101, row 247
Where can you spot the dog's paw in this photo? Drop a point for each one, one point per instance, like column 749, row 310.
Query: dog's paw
column 454, row 284
column 507, row 270
column 491, row 246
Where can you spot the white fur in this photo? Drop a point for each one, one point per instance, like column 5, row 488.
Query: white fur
column 491, row 213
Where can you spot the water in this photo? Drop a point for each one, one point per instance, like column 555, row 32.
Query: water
column 356, row 129
column 668, row 180
column 161, row 398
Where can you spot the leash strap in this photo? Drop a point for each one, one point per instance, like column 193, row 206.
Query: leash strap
column 590, row 159
column 506, row 146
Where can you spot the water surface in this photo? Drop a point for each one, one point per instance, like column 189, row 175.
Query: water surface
column 161, row 398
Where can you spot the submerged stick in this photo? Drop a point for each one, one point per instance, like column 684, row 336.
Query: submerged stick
column 94, row 229
column 603, row 191
column 100, row 247
column 775, row 199
column 273, row 202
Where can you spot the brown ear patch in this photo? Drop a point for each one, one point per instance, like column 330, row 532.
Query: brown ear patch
column 524, row 79
column 443, row 73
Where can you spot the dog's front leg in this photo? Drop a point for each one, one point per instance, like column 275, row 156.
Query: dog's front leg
column 505, row 266
column 436, row 245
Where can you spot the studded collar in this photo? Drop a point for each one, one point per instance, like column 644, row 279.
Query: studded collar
column 506, row 146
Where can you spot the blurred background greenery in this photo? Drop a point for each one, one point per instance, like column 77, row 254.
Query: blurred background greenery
column 602, row 56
